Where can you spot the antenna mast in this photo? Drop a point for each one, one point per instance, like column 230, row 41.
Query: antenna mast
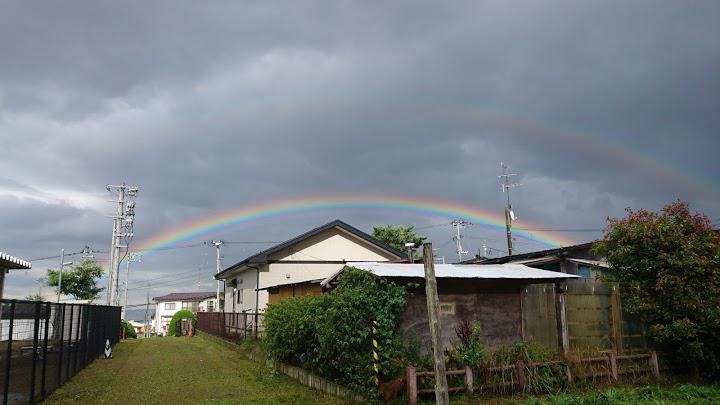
column 509, row 214
column 459, row 224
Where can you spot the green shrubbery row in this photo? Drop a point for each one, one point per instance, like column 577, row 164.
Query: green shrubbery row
column 329, row 334
column 179, row 316
column 129, row 330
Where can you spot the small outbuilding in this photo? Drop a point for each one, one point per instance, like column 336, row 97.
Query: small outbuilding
column 8, row 263
column 491, row 294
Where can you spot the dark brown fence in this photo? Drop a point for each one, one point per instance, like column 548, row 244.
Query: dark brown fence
column 515, row 376
column 231, row 325
column 44, row 344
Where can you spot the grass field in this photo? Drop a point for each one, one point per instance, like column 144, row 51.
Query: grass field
column 181, row 370
column 649, row 394
column 652, row 394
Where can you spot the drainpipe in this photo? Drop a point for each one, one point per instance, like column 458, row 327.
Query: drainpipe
column 257, row 297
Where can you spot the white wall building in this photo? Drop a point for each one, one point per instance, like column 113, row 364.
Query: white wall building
column 297, row 266
column 167, row 305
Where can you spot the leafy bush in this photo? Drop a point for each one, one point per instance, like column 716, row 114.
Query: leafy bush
column 129, row 330
column 330, row 333
column 669, row 264
column 472, row 349
column 179, row 316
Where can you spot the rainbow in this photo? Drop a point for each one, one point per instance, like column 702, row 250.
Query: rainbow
column 423, row 206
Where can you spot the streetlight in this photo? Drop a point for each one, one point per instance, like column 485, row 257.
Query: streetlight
column 410, row 247
column 62, row 264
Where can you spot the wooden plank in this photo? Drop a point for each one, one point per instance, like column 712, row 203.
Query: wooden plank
column 411, row 385
column 441, row 385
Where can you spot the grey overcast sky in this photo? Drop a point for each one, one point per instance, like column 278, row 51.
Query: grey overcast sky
column 209, row 106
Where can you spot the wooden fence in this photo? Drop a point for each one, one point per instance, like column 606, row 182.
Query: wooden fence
column 232, row 326
column 583, row 315
column 575, row 369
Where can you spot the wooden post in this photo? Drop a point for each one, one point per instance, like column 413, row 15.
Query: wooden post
column 561, row 319
column 441, row 385
column 654, row 366
column 520, row 371
column 616, row 319
column 612, row 360
column 469, row 380
column 411, row 384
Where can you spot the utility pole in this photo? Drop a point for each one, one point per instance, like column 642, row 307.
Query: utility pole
column 62, row 265
column 122, row 229
column 459, row 224
column 509, row 214
column 132, row 257
column 433, row 306
column 217, row 244
column 147, row 309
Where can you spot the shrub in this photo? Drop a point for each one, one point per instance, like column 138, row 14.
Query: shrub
column 129, row 330
column 330, row 333
column 472, row 349
column 669, row 264
column 179, row 316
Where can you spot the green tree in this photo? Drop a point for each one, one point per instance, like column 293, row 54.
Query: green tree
column 398, row 235
column 80, row 281
column 669, row 263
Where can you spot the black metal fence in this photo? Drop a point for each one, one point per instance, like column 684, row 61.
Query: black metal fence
column 231, row 325
column 44, row 344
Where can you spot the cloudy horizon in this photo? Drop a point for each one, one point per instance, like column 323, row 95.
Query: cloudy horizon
column 597, row 106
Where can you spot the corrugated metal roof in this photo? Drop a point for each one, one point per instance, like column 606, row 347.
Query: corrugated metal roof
column 12, row 262
column 485, row 271
column 595, row 263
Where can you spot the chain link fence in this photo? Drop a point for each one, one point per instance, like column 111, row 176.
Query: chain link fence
column 44, row 344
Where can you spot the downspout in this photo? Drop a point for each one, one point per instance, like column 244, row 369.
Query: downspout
column 257, row 298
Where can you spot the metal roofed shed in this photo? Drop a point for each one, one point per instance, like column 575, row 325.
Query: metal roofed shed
column 492, row 295
column 458, row 271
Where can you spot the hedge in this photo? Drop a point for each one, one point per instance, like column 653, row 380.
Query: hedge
column 329, row 334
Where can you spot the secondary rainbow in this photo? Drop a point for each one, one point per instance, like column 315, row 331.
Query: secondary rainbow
column 204, row 227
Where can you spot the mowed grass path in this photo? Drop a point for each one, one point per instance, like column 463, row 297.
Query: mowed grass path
column 182, row 370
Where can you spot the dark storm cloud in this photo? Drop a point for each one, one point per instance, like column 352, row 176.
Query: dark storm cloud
column 211, row 106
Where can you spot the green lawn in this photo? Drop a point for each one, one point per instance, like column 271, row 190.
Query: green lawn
column 649, row 394
column 182, row 370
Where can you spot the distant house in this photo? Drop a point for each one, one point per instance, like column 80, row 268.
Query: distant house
column 167, row 305
column 296, row 267
column 491, row 294
column 577, row 259
column 8, row 263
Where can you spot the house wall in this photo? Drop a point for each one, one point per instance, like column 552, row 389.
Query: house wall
column 302, row 262
column 495, row 304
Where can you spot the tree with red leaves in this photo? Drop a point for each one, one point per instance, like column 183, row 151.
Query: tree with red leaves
column 669, row 264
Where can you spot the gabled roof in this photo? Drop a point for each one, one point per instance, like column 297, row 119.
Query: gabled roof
column 262, row 257
column 188, row 296
column 562, row 251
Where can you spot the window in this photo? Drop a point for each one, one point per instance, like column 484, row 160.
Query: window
column 240, row 296
column 192, row 306
column 169, row 306
column 210, row 306
column 447, row 308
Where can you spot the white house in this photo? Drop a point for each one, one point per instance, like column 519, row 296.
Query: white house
column 297, row 266
column 167, row 305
